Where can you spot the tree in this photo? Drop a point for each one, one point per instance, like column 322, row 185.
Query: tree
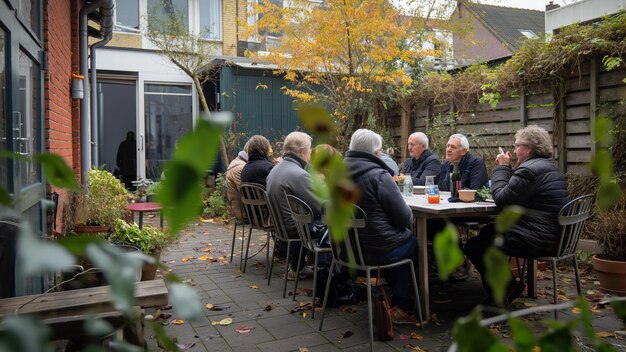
column 167, row 30
column 345, row 53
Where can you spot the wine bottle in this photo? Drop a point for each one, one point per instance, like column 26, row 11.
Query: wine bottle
column 455, row 181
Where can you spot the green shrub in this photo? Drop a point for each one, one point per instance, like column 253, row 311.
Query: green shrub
column 147, row 238
column 214, row 203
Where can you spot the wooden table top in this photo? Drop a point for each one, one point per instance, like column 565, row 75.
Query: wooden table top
column 148, row 206
column 418, row 202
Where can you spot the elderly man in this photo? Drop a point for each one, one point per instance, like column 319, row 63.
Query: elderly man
column 386, row 237
column 472, row 168
column 422, row 162
column 291, row 177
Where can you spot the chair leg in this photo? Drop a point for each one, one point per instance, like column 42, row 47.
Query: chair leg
column 269, row 276
column 232, row 245
column 332, row 267
column 243, row 244
column 267, row 255
column 417, row 295
column 314, row 284
column 295, row 286
column 245, row 259
column 370, row 318
column 286, row 269
column 578, row 289
column 555, row 292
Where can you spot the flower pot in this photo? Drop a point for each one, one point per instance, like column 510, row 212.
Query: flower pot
column 148, row 271
column 611, row 274
column 91, row 229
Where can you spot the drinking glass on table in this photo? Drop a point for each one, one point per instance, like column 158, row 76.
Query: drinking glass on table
column 432, row 194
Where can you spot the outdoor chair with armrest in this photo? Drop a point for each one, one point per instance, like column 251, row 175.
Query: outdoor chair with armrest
column 302, row 216
column 254, row 201
column 241, row 220
column 348, row 253
column 572, row 219
column 280, row 233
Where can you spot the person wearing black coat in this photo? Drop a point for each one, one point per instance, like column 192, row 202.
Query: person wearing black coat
column 536, row 184
column 472, row 168
column 258, row 166
column 422, row 162
column 387, row 236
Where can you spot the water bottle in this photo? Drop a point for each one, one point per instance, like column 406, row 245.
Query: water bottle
column 408, row 186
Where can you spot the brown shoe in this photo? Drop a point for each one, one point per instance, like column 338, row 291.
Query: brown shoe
column 398, row 316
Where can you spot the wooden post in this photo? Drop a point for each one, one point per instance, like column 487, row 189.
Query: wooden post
column 406, row 126
column 593, row 101
column 523, row 109
column 560, row 125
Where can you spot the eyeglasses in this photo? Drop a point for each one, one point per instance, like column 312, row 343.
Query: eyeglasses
column 518, row 145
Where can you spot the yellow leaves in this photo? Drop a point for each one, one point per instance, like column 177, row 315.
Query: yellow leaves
column 602, row 334
column 223, row 322
column 261, row 85
column 186, row 259
column 178, row 322
column 209, row 306
column 254, row 287
column 205, row 257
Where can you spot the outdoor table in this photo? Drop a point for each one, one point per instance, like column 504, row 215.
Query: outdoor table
column 143, row 208
column 422, row 211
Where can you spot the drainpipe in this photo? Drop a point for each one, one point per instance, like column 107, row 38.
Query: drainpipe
column 106, row 7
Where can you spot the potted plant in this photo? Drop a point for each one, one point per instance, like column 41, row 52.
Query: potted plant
column 149, row 239
column 97, row 207
column 142, row 189
column 153, row 190
column 609, row 228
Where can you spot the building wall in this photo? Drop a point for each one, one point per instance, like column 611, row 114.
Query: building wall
column 232, row 10
column 61, row 113
column 482, row 44
column 581, row 11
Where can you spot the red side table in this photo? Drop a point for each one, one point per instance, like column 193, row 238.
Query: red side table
column 144, row 208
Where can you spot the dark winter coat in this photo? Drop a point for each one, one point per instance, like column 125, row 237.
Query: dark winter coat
column 539, row 187
column 473, row 173
column 389, row 219
column 256, row 170
column 426, row 165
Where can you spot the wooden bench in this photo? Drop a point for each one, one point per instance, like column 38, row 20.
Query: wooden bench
column 64, row 312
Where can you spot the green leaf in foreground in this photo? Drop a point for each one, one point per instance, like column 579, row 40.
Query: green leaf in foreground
column 523, row 335
column 508, row 217
column 24, row 334
column 316, row 119
column 185, row 301
column 5, row 197
column 557, row 340
column 36, row 256
column 498, row 273
column 447, row 252
column 620, row 309
column 470, row 336
column 57, row 172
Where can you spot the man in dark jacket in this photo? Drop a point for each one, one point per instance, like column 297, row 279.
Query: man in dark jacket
column 472, row 168
column 422, row 162
column 387, row 236
column 258, row 166
column 536, row 184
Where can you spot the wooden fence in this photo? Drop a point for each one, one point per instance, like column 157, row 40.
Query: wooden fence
column 568, row 111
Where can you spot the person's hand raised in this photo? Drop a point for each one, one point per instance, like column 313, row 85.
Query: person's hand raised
column 503, row 158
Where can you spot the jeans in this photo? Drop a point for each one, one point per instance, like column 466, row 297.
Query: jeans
column 398, row 278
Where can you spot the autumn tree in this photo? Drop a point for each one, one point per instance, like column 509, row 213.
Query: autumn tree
column 167, row 29
column 345, row 54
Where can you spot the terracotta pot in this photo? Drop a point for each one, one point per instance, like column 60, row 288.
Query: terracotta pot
column 90, row 229
column 611, row 274
column 148, row 271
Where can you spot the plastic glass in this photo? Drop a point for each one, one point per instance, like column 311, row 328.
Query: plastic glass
column 430, row 180
column 432, row 194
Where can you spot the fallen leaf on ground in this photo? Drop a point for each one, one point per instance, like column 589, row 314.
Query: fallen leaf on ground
column 244, row 329
column 205, row 257
column 208, row 249
column 576, row 310
column 345, row 334
column 415, row 336
column 185, row 346
column 303, row 349
column 308, row 292
column 256, row 287
column 178, row 322
column 186, row 259
column 209, row 306
column 349, row 309
column 605, row 334
column 223, row 322
column 171, row 262
column 404, row 337
column 268, row 308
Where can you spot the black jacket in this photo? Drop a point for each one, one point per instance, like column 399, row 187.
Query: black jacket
column 473, row 173
column 389, row 219
column 426, row 165
column 539, row 187
column 256, row 169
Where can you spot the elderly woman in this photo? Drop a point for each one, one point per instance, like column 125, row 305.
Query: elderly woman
column 258, row 166
column 386, row 237
column 535, row 184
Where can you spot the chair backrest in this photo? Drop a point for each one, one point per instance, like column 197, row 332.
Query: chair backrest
column 302, row 216
column 347, row 250
column 254, row 202
column 277, row 218
column 572, row 219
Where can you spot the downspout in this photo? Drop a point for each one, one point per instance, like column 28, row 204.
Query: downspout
column 106, row 13
column 85, row 113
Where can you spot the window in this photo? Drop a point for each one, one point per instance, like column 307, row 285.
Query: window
column 210, row 19
column 168, row 116
column 170, row 8
column 26, row 127
column 127, row 16
column 4, row 132
column 528, row 33
column 28, row 11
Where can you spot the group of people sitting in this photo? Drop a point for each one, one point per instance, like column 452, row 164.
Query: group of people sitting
column 534, row 182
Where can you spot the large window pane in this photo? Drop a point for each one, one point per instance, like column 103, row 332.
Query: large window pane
column 169, row 88
column 167, row 9
column 26, row 124
column 168, row 117
column 127, row 15
column 211, row 19
column 4, row 131
column 29, row 13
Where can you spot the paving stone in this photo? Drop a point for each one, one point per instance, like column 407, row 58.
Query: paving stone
column 292, row 343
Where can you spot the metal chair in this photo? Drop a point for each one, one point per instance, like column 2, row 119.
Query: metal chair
column 280, row 233
column 254, row 201
column 348, row 253
column 302, row 215
column 241, row 220
column 572, row 219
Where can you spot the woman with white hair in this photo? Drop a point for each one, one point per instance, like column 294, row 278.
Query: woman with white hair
column 387, row 236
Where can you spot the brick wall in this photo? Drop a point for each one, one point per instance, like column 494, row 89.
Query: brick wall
column 230, row 27
column 61, row 113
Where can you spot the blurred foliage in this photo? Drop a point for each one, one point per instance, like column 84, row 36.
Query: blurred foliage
column 214, row 202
